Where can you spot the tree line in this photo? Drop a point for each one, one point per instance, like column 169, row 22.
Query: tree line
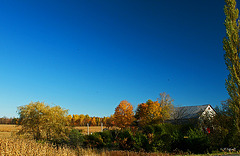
column 83, row 120
column 124, row 116
column 6, row 120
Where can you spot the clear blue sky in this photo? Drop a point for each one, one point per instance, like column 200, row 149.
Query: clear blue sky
column 88, row 55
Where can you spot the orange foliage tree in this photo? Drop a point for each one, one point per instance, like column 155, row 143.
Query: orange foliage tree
column 149, row 112
column 124, row 115
column 154, row 111
column 110, row 121
column 93, row 121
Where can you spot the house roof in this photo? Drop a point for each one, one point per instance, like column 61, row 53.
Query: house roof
column 188, row 112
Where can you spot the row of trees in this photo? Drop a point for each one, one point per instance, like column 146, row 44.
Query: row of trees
column 83, row 120
column 147, row 113
column 6, row 120
column 52, row 123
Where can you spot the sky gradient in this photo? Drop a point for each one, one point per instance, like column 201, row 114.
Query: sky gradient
column 87, row 56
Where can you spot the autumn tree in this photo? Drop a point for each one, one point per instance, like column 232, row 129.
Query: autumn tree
column 110, row 121
column 124, row 115
column 231, row 45
column 154, row 111
column 166, row 103
column 149, row 112
column 81, row 120
column 44, row 122
column 93, row 121
column 70, row 119
column 104, row 120
column 86, row 120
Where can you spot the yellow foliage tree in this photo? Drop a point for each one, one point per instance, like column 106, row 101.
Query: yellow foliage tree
column 69, row 119
column 44, row 122
column 93, row 121
column 149, row 112
column 154, row 111
column 110, row 121
column 124, row 115
column 166, row 103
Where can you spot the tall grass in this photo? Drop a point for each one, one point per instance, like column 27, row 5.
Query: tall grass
column 25, row 147
column 15, row 147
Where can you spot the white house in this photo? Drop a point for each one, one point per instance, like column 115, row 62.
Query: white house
column 193, row 114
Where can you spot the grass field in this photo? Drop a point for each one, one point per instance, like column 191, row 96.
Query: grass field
column 8, row 130
column 92, row 129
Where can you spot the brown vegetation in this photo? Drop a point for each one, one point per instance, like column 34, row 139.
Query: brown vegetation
column 92, row 129
column 6, row 130
column 13, row 147
column 9, row 128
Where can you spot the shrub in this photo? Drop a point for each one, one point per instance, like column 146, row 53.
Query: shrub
column 76, row 138
column 94, row 140
column 140, row 141
column 149, row 129
column 125, row 139
column 198, row 142
column 107, row 138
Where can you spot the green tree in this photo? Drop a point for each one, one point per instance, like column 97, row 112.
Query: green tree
column 231, row 45
column 44, row 122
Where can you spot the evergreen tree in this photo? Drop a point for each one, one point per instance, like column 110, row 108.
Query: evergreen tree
column 231, row 46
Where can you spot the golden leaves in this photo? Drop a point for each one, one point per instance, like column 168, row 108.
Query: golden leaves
column 124, row 115
column 155, row 111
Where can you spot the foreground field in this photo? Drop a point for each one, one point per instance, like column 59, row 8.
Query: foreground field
column 10, row 145
column 23, row 147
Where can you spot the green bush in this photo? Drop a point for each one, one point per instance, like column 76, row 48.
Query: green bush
column 94, row 140
column 198, row 142
column 140, row 141
column 233, row 139
column 108, row 139
column 148, row 129
column 125, row 139
column 76, row 138
column 165, row 137
column 151, row 138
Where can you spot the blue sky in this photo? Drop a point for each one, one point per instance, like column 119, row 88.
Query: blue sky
column 87, row 56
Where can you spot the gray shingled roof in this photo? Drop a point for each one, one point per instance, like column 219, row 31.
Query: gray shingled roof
column 188, row 112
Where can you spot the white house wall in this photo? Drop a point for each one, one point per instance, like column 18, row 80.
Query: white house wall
column 209, row 111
